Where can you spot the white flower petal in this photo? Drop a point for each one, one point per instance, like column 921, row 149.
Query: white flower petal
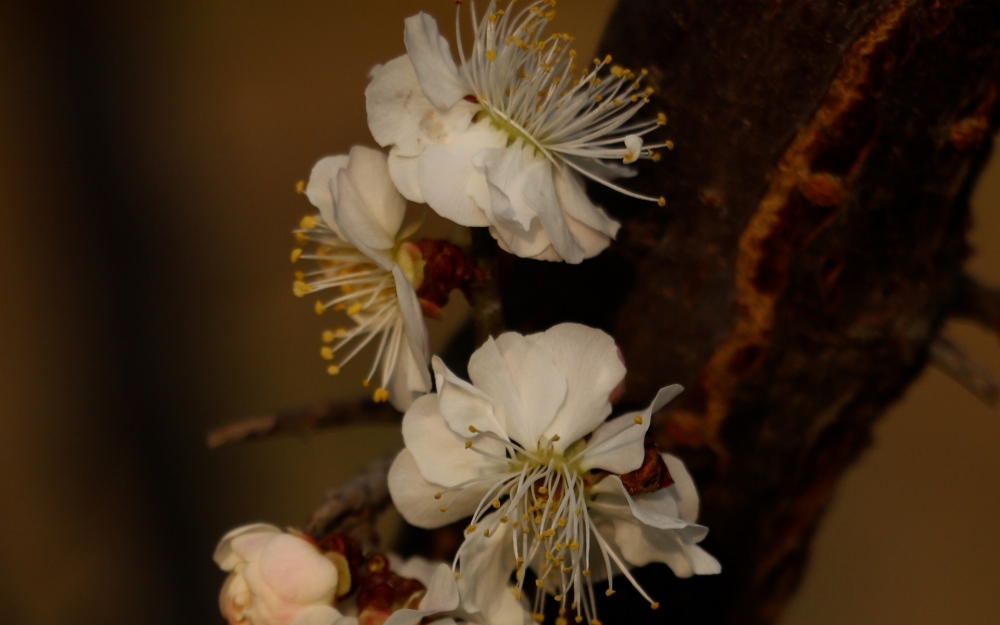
column 523, row 382
column 592, row 241
column 463, row 405
column 414, row 496
column 358, row 228
column 322, row 188
column 486, row 564
column 323, row 615
column 439, row 452
column 410, row 379
column 432, row 61
column 616, row 445
column 413, row 317
column 684, row 489
column 444, row 172
column 539, row 190
column 368, row 169
column 228, row 556
column 403, row 171
column 641, row 545
column 441, row 596
column 573, row 199
column 400, row 114
column 633, row 149
column 296, row 572
column 588, row 359
column 657, row 509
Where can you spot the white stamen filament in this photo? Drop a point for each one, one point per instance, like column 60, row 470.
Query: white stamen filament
column 524, row 83
column 544, row 498
column 367, row 294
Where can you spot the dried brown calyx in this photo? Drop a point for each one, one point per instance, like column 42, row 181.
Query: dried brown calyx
column 382, row 592
column 651, row 476
column 446, row 268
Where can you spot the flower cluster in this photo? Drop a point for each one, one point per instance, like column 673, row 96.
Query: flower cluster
column 560, row 500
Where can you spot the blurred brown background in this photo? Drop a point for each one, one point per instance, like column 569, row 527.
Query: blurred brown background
column 148, row 155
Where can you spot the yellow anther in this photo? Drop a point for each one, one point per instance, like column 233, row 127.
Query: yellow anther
column 616, row 102
column 518, row 575
column 549, row 533
column 515, row 524
column 354, row 309
column 296, row 253
column 457, row 574
column 608, row 592
column 607, row 59
column 542, row 490
column 578, row 619
column 557, row 547
column 655, row 605
column 491, row 54
column 299, row 275
column 520, row 561
column 561, row 522
column 561, row 621
column 578, row 511
column 562, row 610
column 617, row 71
column 468, row 444
column 473, row 429
column 585, row 572
column 504, row 519
column 662, row 201
column 595, row 621
column 638, row 419
column 654, row 156
column 517, row 593
column 437, row 495
column 661, row 119
column 443, row 508
column 380, row 395
column 308, row 222
column 538, row 519
column 567, row 569
column 555, row 438
column 364, row 383
column 669, row 144
column 597, row 97
column 326, row 352
column 300, row 238
column 333, row 369
column 539, row 583
column 300, row 187
column 300, row 288
column 470, row 529
column 548, row 555
column 496, row 502
column 328, row 336
column 319, row 307
column 486, row 533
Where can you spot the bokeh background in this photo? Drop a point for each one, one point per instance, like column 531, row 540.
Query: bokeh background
column 148, row 156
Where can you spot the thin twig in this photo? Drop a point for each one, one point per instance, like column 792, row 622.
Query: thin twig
column 487, row 309
column 978, row 302
column 976, row 378
column 366, row 492
column 301, row 421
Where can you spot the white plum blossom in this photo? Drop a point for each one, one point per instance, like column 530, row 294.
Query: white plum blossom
column 370, row 270
column 276, row 579
column 504, row 139
column 440, row 603
column 526, row 452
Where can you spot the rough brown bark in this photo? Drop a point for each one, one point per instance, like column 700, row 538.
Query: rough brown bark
column 810, row 249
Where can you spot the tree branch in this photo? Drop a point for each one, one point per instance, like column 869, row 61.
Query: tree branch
column 367, row 491
column 301, row 421
column 978, row 302
column 962, row 368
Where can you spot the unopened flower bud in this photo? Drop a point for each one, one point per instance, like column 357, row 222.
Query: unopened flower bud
column 274, row 577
